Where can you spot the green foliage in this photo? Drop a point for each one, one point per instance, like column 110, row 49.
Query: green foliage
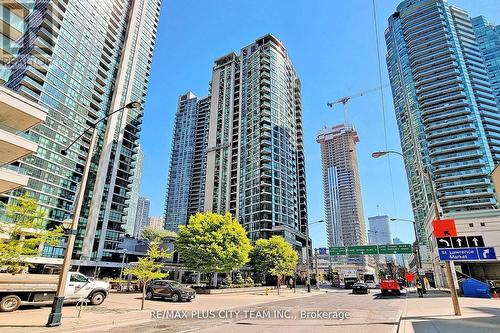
column 213, row 243
column 156, row 235
column 274, row 256
column 25, row 229
column 148, row 268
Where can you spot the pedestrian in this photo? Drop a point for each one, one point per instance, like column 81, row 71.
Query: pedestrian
column 290, row 283
column 419, row 289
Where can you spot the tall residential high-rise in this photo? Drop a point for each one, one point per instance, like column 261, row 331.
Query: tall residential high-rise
column 82, row 62
column 255, row 156
column 141, row 216
column 186, row 179
column 345, row 222
column 134, row 193
column 250, row 155
column 488, row 38
column 447, row 114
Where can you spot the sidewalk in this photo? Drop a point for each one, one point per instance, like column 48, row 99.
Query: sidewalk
column 434, row 314
column 121, row 310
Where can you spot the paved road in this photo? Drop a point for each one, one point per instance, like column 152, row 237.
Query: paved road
column 338, row 311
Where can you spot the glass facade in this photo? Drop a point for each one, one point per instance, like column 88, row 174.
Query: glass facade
column 488, row 38
column 447, row 115
column 82, row 60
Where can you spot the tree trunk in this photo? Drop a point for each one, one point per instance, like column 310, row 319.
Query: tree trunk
column 143, row 295
column 278, row 283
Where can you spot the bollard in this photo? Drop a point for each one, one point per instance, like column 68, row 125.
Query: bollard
column 267, row 291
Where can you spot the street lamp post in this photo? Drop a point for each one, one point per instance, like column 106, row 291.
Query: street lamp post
column 449, row 275
column 308, row 281
column 55, row 313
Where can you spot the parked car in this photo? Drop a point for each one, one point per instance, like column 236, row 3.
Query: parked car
column 169, row 289
column 39, row 289
column 360, row 288
column 371, row 284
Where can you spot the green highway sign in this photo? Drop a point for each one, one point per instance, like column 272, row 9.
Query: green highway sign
column 395, row 248
column 362, row 249
column 371, row 249
column 337, row 251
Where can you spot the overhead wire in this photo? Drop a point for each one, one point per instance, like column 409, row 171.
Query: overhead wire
column 382, row 101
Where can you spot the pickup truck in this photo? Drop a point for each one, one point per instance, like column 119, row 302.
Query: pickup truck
column 389, row 286
column 40, row 289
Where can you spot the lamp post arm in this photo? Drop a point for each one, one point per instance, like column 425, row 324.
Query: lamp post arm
column 92, row 126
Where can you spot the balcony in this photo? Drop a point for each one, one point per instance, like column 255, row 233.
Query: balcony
column 10, row 180
column 14, row 147
column 19, row 113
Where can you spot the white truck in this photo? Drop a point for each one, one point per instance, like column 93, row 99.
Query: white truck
column 40, row 289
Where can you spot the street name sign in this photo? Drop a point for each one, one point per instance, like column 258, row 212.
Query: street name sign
column 480, row 253
column 338, row 251
column 395, row 248
column 371, row 249
column 362, row 249
column 460, row 242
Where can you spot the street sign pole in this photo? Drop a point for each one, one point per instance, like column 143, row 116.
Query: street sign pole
column 449, row 274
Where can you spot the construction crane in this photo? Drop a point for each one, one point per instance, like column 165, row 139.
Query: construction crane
column 346, row 99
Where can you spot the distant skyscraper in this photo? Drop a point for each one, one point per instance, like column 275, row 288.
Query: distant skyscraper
column 186, row 179
column 345, row 222
column 248, row 156
column 141, row 216
column 447, row 114
column 380, row 232
column 401, row 259
column 157, row 222
column 134, row 193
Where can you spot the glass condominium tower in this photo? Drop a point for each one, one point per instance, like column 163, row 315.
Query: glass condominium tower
column 247, row 157
column 186, row 179
column 255, row 155
column 447, row 113
column 82, row 60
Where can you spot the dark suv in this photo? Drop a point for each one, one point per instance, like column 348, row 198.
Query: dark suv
column 169, row 289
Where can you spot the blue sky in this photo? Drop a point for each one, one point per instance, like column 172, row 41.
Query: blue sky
column 332, row 45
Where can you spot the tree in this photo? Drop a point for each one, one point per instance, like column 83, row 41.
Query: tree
column 25, row 231
column 148, row 268
column 156, row 235
column 275, row 257
column 213, row 243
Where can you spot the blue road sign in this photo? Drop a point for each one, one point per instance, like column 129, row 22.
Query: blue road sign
column 486, row 253
column 480, row 253
column 458, row 254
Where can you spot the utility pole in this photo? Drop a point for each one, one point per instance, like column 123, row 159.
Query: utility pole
column 449, row 274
